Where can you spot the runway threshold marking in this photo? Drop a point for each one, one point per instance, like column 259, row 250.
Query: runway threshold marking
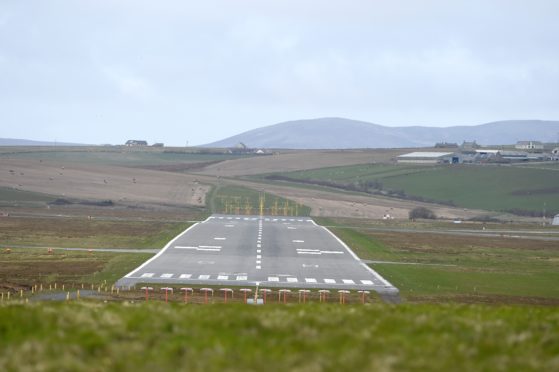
column 185, row 276
column 147, row 275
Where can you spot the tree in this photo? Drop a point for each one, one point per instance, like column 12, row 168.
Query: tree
column 422, row 212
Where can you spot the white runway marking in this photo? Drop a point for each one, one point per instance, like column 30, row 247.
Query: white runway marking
column 223, row 277
column 147, row 275
column 204, row 277
column 241, row 277
column 348, row 281
column 367, row 282
column 229, row 225
column 292, row 280
column 258, row 267
column 211, row 248
column 329, row 281
column 258, row 256
column 291, row 228
column 259, row 251
column 331, row 252
column 258, row 262
column 166, row 276
column 273, row 279
column 298, row 241
column 220, row 238
column 185, row 276
column 310, row 280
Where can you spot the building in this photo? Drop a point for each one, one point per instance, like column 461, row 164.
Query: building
column 446, row 145
column 136, row 143
column 469, row 146
column 430, row 158
column 555, row 220
column 158, row 144
column 514, row 155
column 529, row 145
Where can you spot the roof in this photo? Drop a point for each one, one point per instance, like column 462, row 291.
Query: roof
column 527, row 142
column 433, row 155
column 488, row 151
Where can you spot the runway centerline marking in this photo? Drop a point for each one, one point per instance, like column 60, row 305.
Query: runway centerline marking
column 220, row 238
column 298, row 241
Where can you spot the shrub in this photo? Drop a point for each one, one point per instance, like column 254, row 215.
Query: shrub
column 422, row 212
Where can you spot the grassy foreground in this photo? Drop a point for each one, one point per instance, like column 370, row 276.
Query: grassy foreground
column 140, row 337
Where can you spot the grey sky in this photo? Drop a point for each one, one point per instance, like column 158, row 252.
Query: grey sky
column 100, row 71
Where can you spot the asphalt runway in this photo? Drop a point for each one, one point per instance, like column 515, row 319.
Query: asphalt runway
column 286, row 252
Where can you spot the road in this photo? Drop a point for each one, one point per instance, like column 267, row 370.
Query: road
column 270, row 251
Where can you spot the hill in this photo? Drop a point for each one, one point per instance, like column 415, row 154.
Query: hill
column 26, row 142
column 339, row 133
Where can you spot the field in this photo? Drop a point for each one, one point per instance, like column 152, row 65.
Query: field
column 441, row 267
column 313, row 337
column 23, row 268
column 85, row 233
column 497, row 188
column 119, row 156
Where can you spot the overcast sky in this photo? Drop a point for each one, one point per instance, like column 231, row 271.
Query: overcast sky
column 104, row 71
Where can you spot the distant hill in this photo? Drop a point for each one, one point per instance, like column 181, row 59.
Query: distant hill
column 25, row 142
column 339, row 133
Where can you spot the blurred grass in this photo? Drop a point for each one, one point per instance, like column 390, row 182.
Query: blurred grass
column 169, row 337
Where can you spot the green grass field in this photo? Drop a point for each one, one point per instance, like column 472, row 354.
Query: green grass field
column 120, row 156
column 231, row 199
column 491, row 187
column 439, row 267
column 90, row 336
column 19, row 198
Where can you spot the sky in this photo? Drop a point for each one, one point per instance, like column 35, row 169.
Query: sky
column 192, row 72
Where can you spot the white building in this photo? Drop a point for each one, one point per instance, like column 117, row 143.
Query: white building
column 556, row 220
column 529, row 145
column 430, row 158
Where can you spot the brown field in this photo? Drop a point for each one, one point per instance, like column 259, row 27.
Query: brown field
column 299, row 160
column 94, row 182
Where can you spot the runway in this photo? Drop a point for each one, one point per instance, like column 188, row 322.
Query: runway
column 287, row 252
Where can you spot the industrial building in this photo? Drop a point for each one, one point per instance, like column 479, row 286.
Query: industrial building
column 430, row 158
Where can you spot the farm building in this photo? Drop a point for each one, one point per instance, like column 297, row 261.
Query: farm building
column 529, row 145
column 136, row 143
column 430, row 158
column 556, row 220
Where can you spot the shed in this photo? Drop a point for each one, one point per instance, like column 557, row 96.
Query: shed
column 430, row 158
column 555, row 220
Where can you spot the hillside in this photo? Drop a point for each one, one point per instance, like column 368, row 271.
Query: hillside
column 339, row 133
column 26, row 142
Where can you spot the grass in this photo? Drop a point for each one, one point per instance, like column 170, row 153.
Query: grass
column 85, row 233
column 499, row 188
column 118, row 156
column 28, row 266
column 435, row 266
column 18, row 198
column 231, row 199
column 143, row 337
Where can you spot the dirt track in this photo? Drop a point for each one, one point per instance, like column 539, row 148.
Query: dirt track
column 93, row 182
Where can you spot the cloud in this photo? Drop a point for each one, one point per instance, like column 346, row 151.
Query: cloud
column 128, row 84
